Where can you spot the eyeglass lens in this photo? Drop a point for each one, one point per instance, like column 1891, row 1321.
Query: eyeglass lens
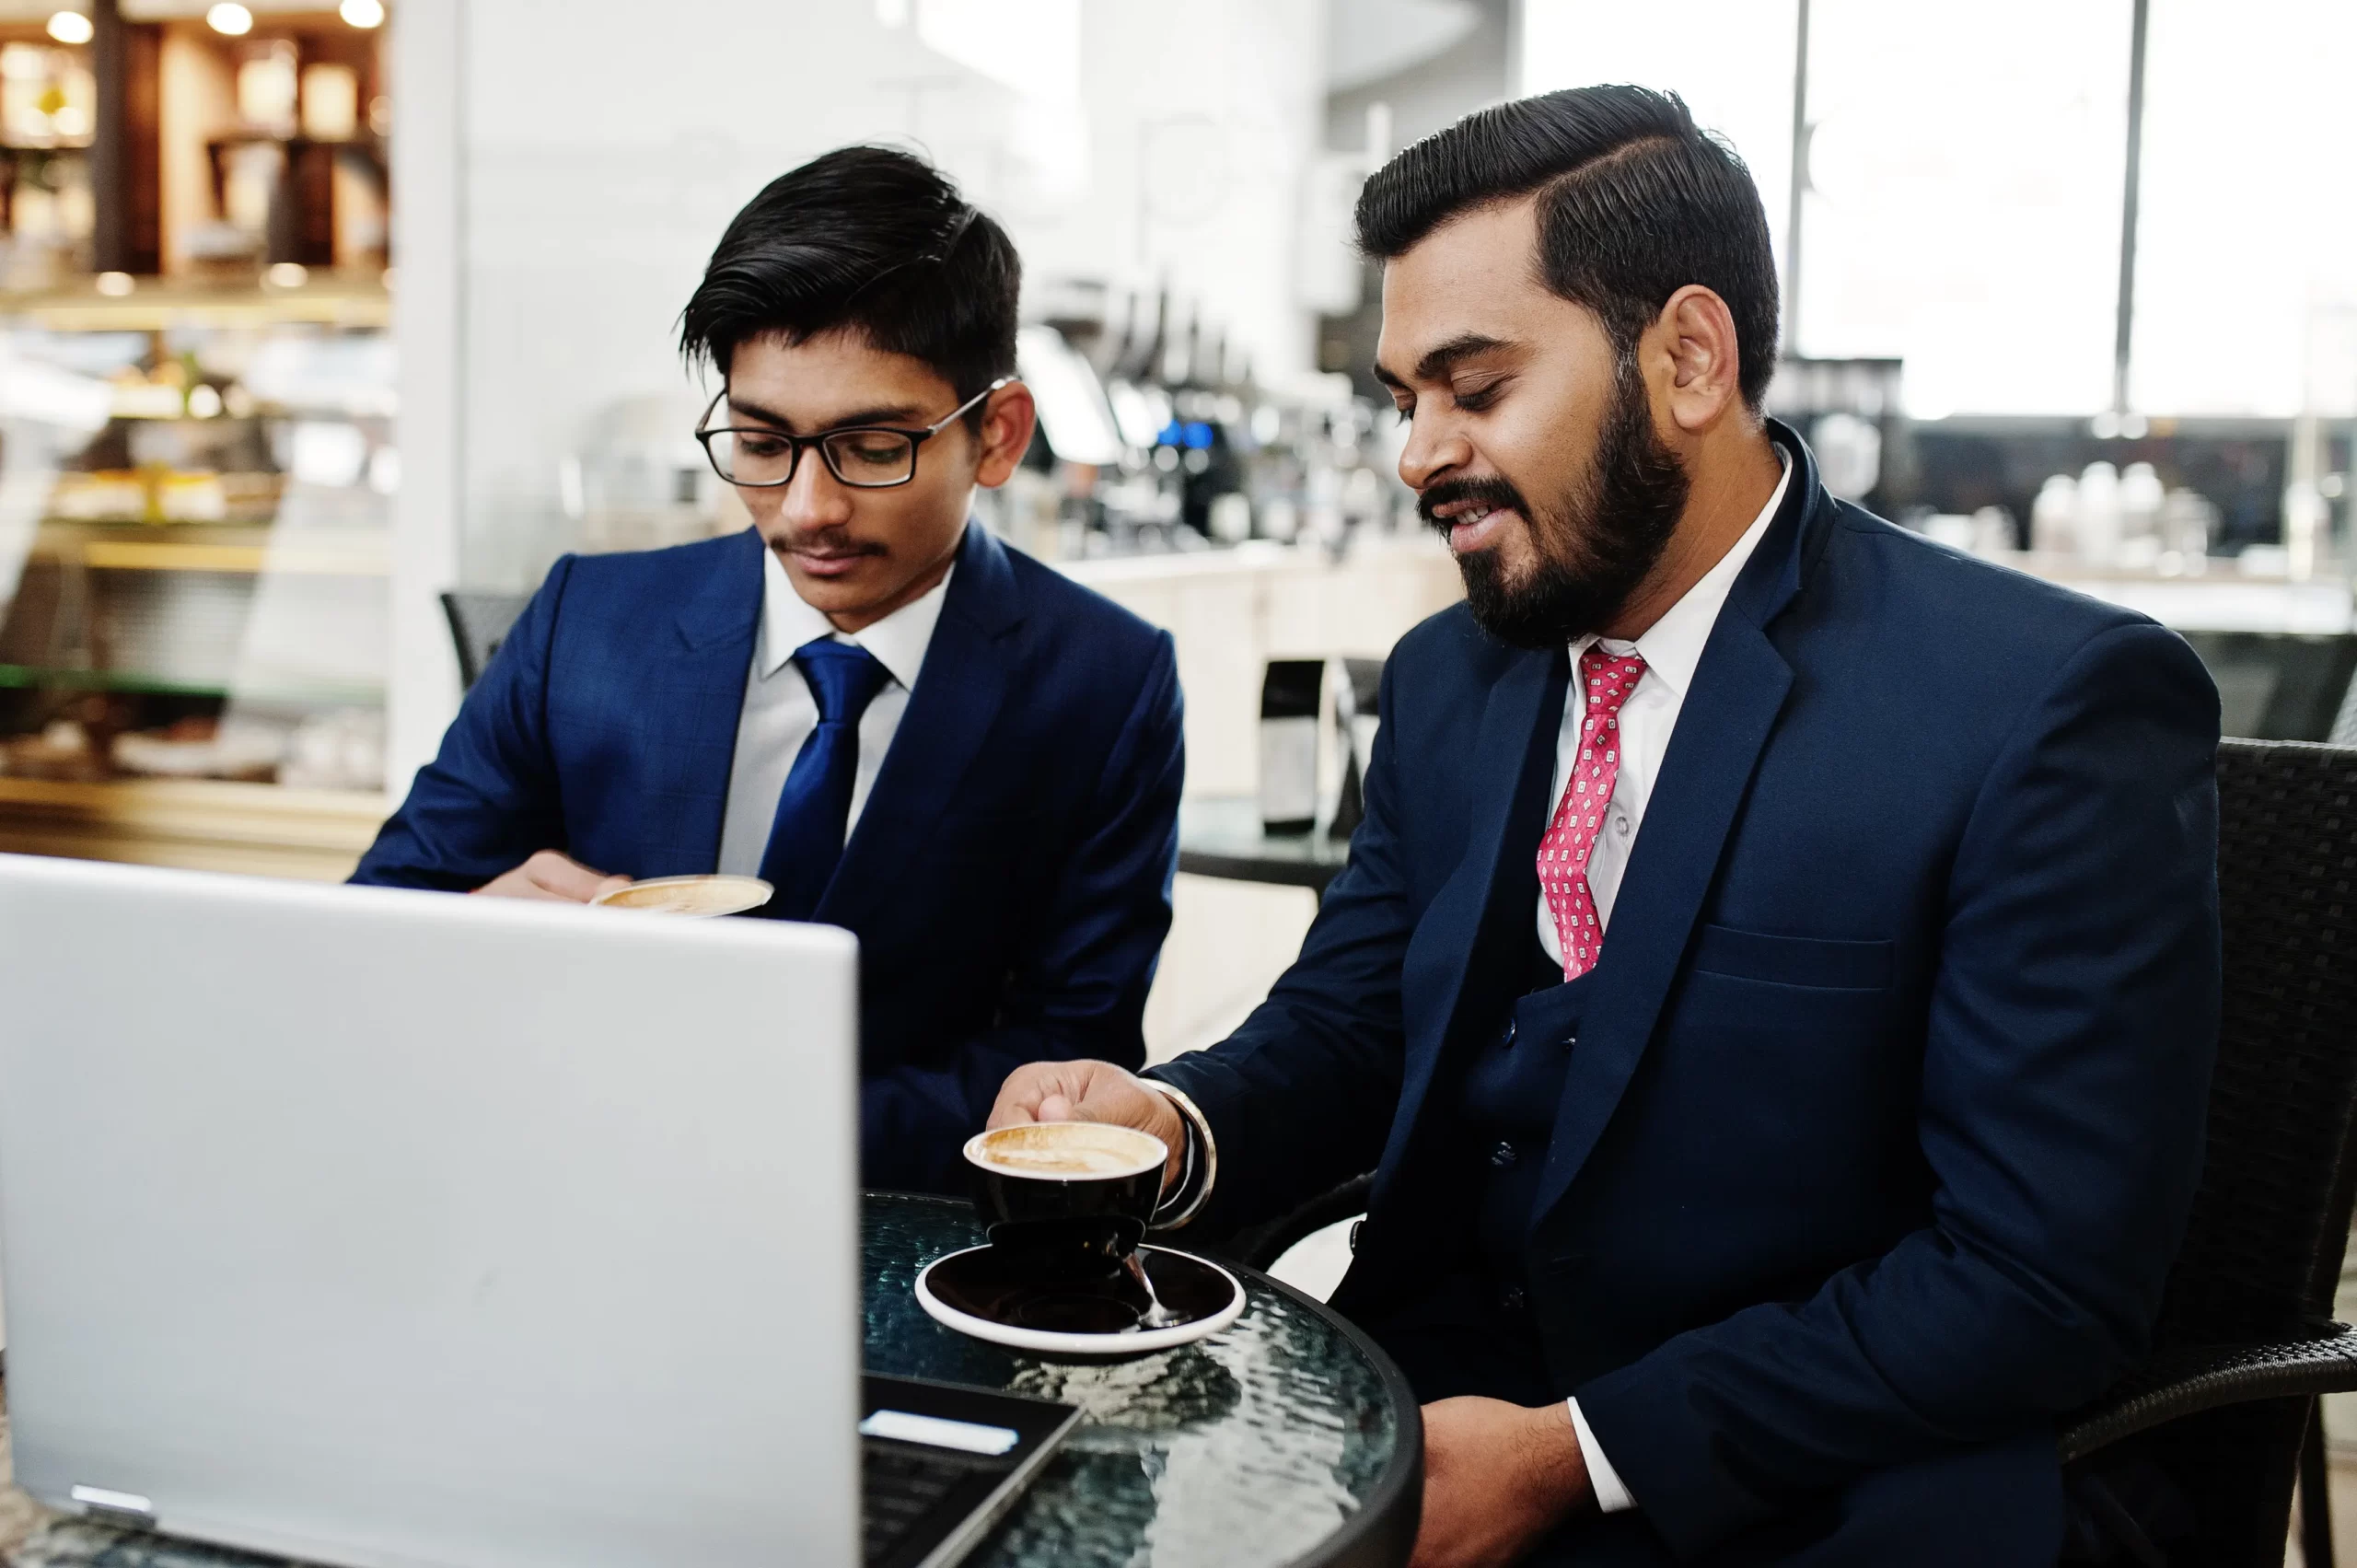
column 864, row 459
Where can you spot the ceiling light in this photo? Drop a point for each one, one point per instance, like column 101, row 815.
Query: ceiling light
column 363, row 13
column 230, row 17
column 70, row 26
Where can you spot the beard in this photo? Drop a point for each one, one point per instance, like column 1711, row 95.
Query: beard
column 1594, row 548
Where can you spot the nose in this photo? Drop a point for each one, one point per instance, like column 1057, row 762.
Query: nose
column 1432, row 451
column 814, row 498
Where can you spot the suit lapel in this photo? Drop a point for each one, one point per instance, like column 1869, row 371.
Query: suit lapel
column 1739, row 687
column 691, row 725
column 1446, row 943
column 958, row 696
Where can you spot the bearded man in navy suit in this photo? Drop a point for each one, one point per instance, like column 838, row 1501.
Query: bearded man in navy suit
column 909, row 728
column 1776, row 978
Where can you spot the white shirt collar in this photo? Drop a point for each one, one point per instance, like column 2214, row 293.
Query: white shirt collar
column 1672, row 646
column 897, row 642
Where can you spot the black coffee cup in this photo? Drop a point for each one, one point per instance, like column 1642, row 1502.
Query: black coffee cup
column 1066, row 1200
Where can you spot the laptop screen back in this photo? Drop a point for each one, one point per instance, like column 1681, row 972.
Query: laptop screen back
column 403, row 1229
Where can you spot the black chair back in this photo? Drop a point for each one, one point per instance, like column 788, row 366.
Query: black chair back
column 478, row 623
column 2281, row 685
column 2262, row 1252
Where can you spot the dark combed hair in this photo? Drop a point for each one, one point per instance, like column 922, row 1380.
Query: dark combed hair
column 869, row 239
column 1635, row 202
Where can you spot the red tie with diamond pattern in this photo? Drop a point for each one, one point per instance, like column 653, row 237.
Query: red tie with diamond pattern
column 1570, row 837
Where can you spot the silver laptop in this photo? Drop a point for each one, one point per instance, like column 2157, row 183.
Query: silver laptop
column 400, row 1228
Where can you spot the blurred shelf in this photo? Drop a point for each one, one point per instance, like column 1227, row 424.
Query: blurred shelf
column 154, row 305
column 22, row 676
column 247, row 548
column 196, row 824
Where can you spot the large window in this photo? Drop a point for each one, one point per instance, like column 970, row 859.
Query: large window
column 2247, row 251
column 1738, row 82
column 1965, row 173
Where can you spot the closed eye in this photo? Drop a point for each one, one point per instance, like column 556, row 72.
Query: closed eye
column 1474, row 400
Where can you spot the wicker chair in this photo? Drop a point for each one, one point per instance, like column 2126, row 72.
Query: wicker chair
column 2208, row 1436
column 2226, row 1411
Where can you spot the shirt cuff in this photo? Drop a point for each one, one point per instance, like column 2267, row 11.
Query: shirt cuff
column 1611, row 1495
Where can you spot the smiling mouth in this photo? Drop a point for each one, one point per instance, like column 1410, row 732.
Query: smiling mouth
column 1471, row 524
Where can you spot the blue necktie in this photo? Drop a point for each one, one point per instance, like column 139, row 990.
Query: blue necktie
column 813, row 810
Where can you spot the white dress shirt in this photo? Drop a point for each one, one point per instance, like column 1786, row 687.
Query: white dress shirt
column 780, row 713
column 1672, row 648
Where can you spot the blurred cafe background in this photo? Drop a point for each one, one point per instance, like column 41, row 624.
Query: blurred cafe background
column 312, row 314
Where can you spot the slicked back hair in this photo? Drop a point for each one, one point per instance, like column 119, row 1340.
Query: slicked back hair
column 873, row 240
column 1635, row 202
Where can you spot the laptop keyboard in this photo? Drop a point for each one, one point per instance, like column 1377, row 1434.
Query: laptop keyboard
column 899, row 1487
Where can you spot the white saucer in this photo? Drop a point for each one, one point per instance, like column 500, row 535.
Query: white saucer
column 1158, row 1261
column 736, row 894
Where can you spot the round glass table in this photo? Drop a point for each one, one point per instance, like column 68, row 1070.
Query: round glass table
column 1288, row 1438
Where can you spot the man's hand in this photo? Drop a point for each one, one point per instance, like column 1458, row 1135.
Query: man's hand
column 554, row 877
column 1497, row 1477
column 1091, row 1091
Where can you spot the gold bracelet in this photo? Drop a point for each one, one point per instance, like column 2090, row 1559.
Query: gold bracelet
column 1205, row 1152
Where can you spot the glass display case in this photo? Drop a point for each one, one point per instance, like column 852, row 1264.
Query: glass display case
column 197, row 457
column 200, row 537
column 195, row 506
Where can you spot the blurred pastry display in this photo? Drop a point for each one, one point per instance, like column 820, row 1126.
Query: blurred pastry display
column 203, row 594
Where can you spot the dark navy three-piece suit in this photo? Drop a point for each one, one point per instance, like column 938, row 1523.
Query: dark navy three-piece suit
column 1863, row 1152
column 1009, row 878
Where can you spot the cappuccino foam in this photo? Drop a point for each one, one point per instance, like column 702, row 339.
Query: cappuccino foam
column 1066, row 1150
column 690, row 895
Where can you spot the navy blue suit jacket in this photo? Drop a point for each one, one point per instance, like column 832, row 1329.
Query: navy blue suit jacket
column 1009, row 878
column 1888, row 1107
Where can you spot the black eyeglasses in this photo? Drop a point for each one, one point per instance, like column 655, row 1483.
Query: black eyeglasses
column 865, row 457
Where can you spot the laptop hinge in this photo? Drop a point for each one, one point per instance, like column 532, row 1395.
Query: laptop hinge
column 124, row 1510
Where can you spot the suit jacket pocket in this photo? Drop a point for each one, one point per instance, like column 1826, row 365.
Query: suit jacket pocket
column 1821, row 962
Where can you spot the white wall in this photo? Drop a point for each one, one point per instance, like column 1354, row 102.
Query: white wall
column 424, row 688
column 572, row 162
column 602, row 160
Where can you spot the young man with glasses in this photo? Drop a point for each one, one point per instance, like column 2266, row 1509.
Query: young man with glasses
column 906, row 727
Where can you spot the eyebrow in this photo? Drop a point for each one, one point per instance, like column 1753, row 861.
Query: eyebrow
column 1437, row 362
column 887, row 414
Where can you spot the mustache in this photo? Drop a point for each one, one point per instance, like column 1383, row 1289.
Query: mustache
column 825, row 542
column 1490, row 489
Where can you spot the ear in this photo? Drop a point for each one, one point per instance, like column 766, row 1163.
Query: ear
column 1007, row 422
column 1692, row 352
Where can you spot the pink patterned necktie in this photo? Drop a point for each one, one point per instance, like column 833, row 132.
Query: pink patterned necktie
column 1570, row 837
